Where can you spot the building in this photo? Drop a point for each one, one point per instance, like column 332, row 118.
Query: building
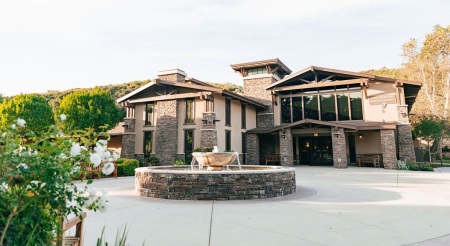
column 316, row 116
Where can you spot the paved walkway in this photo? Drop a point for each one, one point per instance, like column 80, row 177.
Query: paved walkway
column 354, row 206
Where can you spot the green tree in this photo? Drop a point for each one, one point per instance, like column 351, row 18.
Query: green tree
column 32, row 108
column 89, row 109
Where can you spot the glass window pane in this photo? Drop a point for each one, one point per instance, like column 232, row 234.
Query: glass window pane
column 342, row 101
column 189, row 111
column 297, row 109
column 327, row 108
column 149, row 114
column 286, row 110
column 311, row 107
column 148, row 143
column 227, row 111
column 356, row 105
column 243, row 116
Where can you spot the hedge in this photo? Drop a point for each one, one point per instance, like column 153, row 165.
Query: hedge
column 125, row 167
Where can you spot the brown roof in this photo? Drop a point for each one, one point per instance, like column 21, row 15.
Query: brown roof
column 274, row 61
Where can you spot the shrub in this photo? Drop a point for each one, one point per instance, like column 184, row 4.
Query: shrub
column 203, row 150
column 151, row 161
column 179, row 163
column 126, row 166
column 419, row 167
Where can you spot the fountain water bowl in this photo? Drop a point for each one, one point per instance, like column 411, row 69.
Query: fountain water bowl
column 215, row 161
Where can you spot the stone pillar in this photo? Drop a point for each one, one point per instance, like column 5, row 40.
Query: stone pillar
column 254, row 88
column 388, row 149
column 252, row 145
column 339, row 148
column 166, row 134
column 174, row 75
column 405, row 143
column 286, row 151
column 208, row 131
column 128, row 139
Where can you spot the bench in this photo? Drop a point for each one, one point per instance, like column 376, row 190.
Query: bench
column 90, row 169
column 371, row 159
column 272, row 158
column 66, row 225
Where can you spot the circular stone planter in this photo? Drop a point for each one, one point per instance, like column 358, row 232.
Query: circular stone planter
column 247, row 182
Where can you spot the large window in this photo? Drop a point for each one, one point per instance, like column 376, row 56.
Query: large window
column 311, row 107
column 149, row 116
column 327, row 107
column 227, row 140
column 243, row 116
column 189, row 118
column 148, row 144
column 227, row 112
column 286, row 110
column 297, row 109
column 356, row 105
column 257, row 70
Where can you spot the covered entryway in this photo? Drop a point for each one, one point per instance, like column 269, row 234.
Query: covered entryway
column 314, row 151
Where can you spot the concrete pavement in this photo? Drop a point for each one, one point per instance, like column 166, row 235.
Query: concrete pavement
column 353, row 206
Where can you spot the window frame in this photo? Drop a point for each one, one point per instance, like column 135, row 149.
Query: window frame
column 227, row 112
column 243, row 116
column 191, row 112
column 146, row 153
column 227, row 140
column 151, row 121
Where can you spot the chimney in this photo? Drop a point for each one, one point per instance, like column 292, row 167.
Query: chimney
column 173, row 75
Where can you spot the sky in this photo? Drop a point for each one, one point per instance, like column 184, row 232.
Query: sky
column 58, row 45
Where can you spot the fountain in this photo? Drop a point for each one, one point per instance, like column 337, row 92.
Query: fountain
column 195, row 182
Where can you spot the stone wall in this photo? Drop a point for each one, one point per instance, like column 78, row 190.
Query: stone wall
column 129, row 139
column 216, row 185
column 405, row 143
column 172, row 77
column 339, row 148
column 286, row 151
column 208, row 131
column 166, row 133
column 255, row 89
column 388, row 149
column 252, row 146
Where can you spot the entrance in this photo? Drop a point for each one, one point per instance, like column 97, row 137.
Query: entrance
column 315, row 151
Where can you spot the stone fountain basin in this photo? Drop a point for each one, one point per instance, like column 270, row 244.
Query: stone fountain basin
column 234, row 183
column 214, row 159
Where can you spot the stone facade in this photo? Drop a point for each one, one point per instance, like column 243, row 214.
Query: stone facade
column 255, row 89
column 388, row 149
column 252, row 146
column 405, row 143
column 218, row 185
column 286, row 151
column 208, row 131
column 166, row 133
column 339, row 148
column 172, row 77
column 128, row 139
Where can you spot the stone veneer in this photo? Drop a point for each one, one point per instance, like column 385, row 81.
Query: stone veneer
column 252, row 147
column 286, row 151
column 208, row 132
column 219, row 185
column 175, row 77
column 255, row 89
column 128, row 139
column 166, row 133
column 405, row 143
column 339, row 148
column 388, row 149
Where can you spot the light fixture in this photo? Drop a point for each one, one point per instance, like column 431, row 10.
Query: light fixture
column 283, row 134
column 307, row 144
column 316, row 134
column 360, row 135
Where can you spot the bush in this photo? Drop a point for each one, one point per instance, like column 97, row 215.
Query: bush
column 151, row 161
column 419, row 167
column 179, row 163
column 203, row 150
column 125, row 167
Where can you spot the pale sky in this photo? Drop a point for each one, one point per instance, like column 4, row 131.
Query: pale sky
column 58, row 45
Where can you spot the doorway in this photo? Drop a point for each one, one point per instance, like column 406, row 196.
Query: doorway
column 316, row 151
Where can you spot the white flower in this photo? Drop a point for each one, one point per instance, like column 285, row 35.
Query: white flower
column 83, row 148
column 63, row 117
column 75, row 150
column 21, row 122
column 4, row 186
column 63, row 156
column 102, row 203
column 108, row 168
column 95, row 159
column 4, row 135
column 115, row 156
column 106, row 155
column 76, row 168
column 13, row 126
column 22, row 165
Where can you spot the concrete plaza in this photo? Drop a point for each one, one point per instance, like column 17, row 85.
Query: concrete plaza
column 353, row 206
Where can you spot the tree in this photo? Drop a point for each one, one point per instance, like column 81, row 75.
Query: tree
column 32, row 108
column 430, row 64
column 89, row 109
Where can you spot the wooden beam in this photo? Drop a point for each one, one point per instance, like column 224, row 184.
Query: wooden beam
column 167, row 97
column 327, row 78
column 306, row 81
column 321, row 84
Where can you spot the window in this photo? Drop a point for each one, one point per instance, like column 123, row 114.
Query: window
column 311, row 107
column 297, row 109
column 243, row 116
column 189, row 117
column 209, row 106
column 227, row 140
column 148, row 143
column 356, row 105
column 286, row 110
column 244, row 146
column 149, row 114
column 188, row 145
column 327, row 107
column 227, row 112
column 256, row 70
column 342, row 105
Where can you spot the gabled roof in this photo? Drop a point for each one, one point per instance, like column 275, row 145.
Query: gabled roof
column 311, row 121
column 196, row 85
column 314, row 74
column 275, row 61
